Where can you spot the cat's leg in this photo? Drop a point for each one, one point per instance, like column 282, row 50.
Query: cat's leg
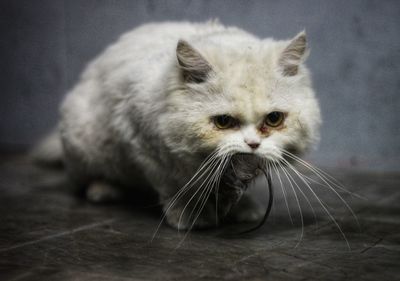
column 95, row 190
column 102, row 192
column 246, row 210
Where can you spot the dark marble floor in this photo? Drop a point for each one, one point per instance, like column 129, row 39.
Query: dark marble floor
column 47, row 233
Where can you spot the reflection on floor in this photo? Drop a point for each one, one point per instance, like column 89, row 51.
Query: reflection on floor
column 47, row 233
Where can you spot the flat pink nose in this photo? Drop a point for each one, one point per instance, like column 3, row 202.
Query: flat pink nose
column 253, row 144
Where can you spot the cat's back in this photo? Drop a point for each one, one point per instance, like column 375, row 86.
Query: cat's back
column 155, row 36
column 150, row 47
column 139, row 59
column 138, row 63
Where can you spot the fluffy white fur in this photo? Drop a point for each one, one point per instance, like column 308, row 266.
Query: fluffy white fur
column 133, row 119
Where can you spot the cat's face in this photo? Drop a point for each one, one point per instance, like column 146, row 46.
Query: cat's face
column 256, row 101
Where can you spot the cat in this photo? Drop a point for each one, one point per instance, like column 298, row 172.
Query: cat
column 172, row 105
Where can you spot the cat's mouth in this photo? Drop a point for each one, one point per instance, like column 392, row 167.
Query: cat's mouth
column 246, row 166
column 242, row 169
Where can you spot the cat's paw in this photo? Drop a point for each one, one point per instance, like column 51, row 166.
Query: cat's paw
column 101, row 192
column 182, row 219
column 247, row 210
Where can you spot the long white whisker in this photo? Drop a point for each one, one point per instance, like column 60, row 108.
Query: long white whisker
column 305, row 197
column 212, row 183
column 186, row 188
column 336, row 193
column 216, row 175
column 215, row 164
column 196, row 177
column 283, row 190
column 324, row 176
column 298, row 204
column 329, row 177
column 217, row 188
column 323, row 204
column 208, row 185
column 210, row 159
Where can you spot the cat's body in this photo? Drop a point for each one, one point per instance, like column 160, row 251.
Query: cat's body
column 145, row 112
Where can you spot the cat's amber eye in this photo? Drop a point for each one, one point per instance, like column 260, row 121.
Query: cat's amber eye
column 274, row 119
column 225, row 121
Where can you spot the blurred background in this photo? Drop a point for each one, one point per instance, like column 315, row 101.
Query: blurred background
column 355, row 61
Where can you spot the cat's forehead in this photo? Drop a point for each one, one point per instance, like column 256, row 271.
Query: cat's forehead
column 250, row 71
column 243, row 64
column 250, row 88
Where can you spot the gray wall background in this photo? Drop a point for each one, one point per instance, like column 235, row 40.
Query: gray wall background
column 355, row 60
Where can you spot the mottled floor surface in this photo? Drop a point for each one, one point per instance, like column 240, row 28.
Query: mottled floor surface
column 47, row 233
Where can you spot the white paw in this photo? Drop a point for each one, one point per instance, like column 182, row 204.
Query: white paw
column 191, row 220
column 247, row 210
column 100, row 192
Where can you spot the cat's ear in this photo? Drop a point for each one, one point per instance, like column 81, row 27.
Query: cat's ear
column 293, row 55
column 195, row 68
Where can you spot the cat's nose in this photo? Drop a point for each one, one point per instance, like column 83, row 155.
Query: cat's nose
column 253, row 144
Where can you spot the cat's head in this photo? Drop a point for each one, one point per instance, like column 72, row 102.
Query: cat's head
column 255, row 97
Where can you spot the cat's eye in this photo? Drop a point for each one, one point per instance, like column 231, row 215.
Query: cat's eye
column 274, row 119
column 225, row 121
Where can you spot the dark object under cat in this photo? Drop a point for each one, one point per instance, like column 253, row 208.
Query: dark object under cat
column 239, row 174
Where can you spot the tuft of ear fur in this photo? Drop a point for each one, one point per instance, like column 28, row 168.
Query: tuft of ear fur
column 195, row 68
column 293, row 55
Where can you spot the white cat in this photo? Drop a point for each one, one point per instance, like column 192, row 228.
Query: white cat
column 169, row 104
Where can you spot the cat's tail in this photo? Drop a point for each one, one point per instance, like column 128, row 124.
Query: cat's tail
column 49, row 150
